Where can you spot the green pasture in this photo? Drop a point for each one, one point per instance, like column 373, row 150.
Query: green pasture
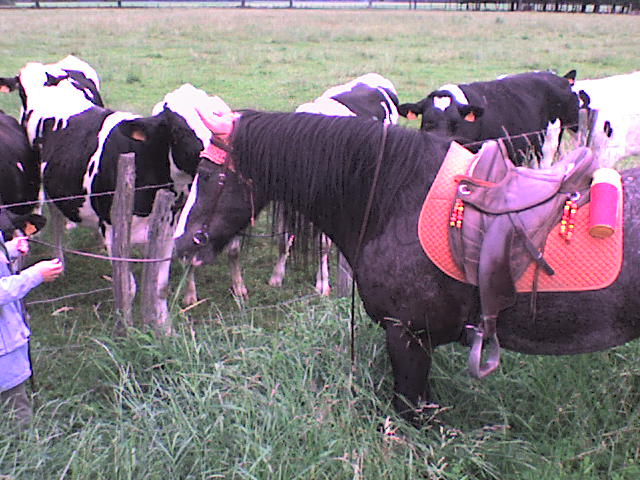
column 264, row 389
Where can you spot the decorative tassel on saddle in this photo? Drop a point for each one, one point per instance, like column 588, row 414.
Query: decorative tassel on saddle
column 567, row 224
column 457, row 214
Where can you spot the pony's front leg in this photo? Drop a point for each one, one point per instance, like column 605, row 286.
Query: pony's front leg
column 411, row 362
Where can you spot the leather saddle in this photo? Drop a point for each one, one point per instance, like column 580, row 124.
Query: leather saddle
column 506, row 214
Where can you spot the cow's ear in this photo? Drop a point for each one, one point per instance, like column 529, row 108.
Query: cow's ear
column 8, row 84
column 409, row 110
column 571, row 76
column 54, row 81
column 140, row 129
column 134, row 129
column 470, row 113
column 31, row 224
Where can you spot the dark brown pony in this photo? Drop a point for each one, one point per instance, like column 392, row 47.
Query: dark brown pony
column 324, row 168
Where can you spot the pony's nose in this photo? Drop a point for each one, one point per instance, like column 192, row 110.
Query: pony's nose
column 200, row 238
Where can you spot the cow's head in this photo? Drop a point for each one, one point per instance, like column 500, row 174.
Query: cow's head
column 70, row 73
column 220, row 202
column 189, row 135
column 152, row 137
column 443, row 114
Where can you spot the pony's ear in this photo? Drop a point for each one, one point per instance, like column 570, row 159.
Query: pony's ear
column 220, row 125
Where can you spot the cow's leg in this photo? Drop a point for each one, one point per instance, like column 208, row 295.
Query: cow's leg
column 411, row 362
column 279, row 269
column 322, row 277
column 237, row 283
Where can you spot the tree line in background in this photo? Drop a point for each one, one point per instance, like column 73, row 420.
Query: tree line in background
column 577, row 6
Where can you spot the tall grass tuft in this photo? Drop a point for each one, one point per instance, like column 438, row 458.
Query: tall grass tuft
column 242, row 396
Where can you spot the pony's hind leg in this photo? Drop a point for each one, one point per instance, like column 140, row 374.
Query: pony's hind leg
column 411, row 362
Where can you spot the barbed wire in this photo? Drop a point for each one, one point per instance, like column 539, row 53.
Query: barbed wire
column 82, row 196
column 172, row 184
column 65, row 297
column 102, row 257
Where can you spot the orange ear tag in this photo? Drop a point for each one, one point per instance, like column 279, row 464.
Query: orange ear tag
column 29, row 229
column 470, row 117
column 411, row 115
column 138, row 135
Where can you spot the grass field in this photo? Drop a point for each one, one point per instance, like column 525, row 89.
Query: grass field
column 263, row 389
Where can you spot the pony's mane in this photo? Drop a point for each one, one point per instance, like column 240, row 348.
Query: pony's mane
column 320, row 164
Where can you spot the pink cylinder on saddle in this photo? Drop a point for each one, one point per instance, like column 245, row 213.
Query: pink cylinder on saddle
column 606, row 188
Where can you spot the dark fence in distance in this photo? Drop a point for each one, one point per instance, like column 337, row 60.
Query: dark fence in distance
column 579, row 6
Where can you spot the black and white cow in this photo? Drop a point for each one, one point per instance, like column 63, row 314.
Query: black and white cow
column 190, row 136
column 167, row 147
column 80, row 144
column 528, row 109
column 19, row 178
column 616, row 133
column 71, row 78
column 368, row 96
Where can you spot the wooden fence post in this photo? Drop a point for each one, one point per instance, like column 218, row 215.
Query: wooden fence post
column 155, row 275
column 586, row 121
column 121, row 213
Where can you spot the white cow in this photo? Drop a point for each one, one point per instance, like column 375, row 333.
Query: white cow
column 616, row 134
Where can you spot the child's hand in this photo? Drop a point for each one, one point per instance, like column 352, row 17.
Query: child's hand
column 50, row 269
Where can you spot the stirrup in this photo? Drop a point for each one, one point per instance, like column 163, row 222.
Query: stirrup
column 486, row 328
